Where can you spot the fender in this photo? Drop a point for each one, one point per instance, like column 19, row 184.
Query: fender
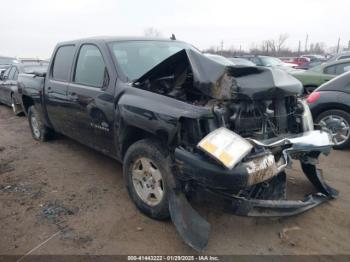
column 154, row 113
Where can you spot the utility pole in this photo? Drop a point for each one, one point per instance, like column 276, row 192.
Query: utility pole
column 307, row 39
column 240, row 49
column 267, row 48
column 299, row 47
column 338, row 45
column 222, row 46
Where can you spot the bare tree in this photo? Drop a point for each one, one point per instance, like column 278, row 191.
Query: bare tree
column 275, row 46
column 152, row 32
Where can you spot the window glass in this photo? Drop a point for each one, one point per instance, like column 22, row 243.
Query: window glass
column 341, row 68
column 12, row 73
column 344, row 57
column 135, row 58
column 6, row 73
column 90, row 68
column 15, row 75
column 62, row 63
column 8, row 61
column 330, row 70
column 271, row 61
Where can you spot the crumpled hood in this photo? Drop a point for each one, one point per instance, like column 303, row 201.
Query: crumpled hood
column 227, row 82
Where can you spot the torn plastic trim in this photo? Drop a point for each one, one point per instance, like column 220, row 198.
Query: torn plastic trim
column 315, row 177
column 316, row 140
column 193, row 228
column 276, row 208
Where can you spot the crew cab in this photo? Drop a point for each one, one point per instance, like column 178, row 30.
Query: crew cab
column 181, row 123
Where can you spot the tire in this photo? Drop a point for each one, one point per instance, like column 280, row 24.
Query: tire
column 342, row 117
column 17, row 109
column 309, row 89
column 40, row 132
column 155, row 206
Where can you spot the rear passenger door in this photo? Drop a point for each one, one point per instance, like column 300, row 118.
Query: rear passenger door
column 3, row 83
column 6, row 85
column 11, row 88
column 56, row 86
column 91, row 96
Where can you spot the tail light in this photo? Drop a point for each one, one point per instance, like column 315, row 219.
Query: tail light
column 313, row 97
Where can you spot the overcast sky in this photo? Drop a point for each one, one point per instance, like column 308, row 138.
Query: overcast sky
column 31, row 28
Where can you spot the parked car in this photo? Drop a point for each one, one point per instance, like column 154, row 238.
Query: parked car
column 309, row 65
column 269, row 61
column 5, row 62
column 330, row 107
column 8, row 85
column 241, row 61
column 299, row 61
column 220, row 59
column 315, row 57
column 33, row 61
column 181, row 123
column 322, row 73
column 340, row 56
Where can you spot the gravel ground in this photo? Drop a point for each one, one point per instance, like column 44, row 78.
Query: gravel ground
column 77, row 196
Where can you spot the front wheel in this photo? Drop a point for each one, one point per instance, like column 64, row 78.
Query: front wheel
column 39, row 131
column 146, row 169
column 338, row 123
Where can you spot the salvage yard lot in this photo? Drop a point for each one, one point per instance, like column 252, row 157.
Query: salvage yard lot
column 68, row 191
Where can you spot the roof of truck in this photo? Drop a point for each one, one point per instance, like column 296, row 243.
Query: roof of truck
column 115, row 39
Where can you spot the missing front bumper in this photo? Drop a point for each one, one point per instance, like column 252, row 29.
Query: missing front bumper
column 244, row 198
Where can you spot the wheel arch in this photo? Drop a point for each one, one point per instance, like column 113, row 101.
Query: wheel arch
column 132, row 134
column 27, row 102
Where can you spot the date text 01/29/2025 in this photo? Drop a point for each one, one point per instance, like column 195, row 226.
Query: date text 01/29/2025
column 173, row 258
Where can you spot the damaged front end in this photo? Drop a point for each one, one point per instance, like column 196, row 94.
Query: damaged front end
column 257, row 126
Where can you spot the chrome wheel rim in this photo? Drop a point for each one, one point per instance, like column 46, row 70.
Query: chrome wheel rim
column 35, row 127
column 147, row 181
column 13, row 105
column 339, row 128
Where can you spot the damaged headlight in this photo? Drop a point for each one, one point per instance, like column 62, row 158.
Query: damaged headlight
column 225, row 146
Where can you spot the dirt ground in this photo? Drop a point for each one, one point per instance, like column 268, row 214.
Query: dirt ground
column 77, row 196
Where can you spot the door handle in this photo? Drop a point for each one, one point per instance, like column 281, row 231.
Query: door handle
column 73, row 96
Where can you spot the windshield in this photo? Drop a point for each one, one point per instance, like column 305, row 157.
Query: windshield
column 271, row 61
column 8, row 61
column 135, row 58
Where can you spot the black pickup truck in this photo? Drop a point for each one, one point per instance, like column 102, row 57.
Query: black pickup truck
column 181, row 123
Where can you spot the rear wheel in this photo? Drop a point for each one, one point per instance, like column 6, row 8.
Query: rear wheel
column 338, row 122
column 39, row 131
column 146, row 169
column 16, row 108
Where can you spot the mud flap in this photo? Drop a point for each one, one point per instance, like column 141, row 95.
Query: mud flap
column 315, row 177
column 193, row 228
